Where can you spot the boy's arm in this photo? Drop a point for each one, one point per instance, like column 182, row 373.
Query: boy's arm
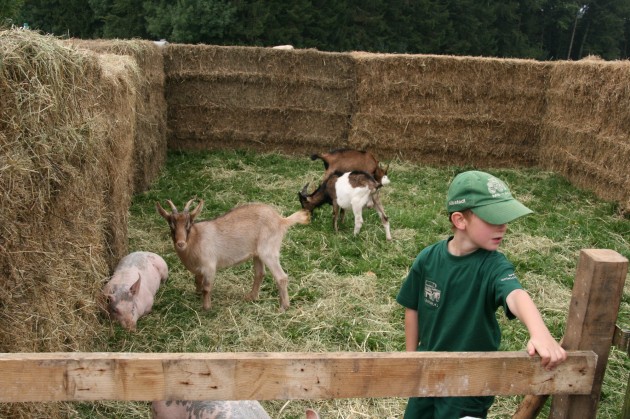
column 540, row 340
column 411, row 330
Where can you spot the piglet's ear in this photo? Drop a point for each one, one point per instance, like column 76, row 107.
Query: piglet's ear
column 135, row 287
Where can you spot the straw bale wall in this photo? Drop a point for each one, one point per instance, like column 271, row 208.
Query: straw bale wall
column 80, row 131
column 449, row 110
column 568, row 117
column 261, row 98
column 586, row 128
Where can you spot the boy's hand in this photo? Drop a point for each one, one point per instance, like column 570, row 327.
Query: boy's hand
column 550, row 352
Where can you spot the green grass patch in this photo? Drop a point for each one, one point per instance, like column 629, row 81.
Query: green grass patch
column 342, row 288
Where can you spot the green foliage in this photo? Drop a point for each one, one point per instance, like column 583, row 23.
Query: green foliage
column 9, row 10
column 342, row 288
column 541, row 29
column 189, row 21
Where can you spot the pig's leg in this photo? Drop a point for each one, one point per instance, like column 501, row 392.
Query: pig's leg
column 259, row 273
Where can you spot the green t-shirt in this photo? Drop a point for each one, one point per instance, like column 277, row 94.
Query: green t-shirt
column 457, row 298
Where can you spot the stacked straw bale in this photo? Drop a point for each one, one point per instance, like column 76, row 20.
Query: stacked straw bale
column 67, row 129
column 449, row 110
column 149, row 148
column 586, row 134
column 258, row 98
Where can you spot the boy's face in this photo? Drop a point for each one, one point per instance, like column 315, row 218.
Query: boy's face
column 479, row 233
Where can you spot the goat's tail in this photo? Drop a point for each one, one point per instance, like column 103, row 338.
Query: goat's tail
column 299, row 217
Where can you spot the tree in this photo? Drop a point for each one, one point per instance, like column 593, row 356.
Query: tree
column 120, row 18
column 73, row 18
column 9, row 10
column 190, row 21
column 601, row 30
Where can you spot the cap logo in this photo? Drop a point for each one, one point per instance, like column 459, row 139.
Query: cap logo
column 496, row 187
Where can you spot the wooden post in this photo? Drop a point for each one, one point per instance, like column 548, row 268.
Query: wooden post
column 597, row 293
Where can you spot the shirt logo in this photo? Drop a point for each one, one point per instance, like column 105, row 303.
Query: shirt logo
column 431, row 294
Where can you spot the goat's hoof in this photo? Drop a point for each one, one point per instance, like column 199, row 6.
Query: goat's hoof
column 251, row 297
column 282, row 309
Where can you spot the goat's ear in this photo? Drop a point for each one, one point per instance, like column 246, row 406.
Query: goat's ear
column 136, row 286
column 197, row 210
column 161, row 210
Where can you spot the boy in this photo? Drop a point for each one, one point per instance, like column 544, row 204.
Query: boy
column 455, row 286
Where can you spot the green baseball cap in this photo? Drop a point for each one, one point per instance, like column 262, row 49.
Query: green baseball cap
column 487, row 196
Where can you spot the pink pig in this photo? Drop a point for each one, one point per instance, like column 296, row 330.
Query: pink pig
column 218, row 409
column 133, row 286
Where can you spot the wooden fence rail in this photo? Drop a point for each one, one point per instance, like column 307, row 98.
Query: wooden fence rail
column 42, row 377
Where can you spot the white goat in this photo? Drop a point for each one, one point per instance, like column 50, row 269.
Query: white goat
column 249, row 231
column 351, row 190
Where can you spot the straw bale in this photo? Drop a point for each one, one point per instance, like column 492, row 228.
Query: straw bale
column 446, row 140
column 297, row 63
column 149, row 149
column 264, row 129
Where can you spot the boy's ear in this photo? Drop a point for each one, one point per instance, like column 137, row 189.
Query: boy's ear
column 458, row 220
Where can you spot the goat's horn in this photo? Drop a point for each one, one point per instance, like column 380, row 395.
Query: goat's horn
column 173, row 207
column 304, row 190
column 188, row 204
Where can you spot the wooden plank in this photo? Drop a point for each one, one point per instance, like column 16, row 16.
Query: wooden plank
column 31, row 377
column 597, row 292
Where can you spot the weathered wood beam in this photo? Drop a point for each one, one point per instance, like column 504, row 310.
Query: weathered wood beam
column 597, row 293
column 41, row 377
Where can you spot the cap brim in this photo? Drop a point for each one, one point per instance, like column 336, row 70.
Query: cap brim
column 501, row 212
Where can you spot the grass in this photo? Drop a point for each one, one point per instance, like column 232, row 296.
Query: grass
column 343, row 288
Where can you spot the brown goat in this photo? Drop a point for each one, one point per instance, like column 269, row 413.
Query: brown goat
column 249, row 231
column 347, row 160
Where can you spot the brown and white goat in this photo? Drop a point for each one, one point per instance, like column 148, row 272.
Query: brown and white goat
column 351, row 190
column 347, row 160
column 245, row 232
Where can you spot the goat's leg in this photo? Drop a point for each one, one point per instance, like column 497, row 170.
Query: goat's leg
column 281, row 278
column 206, row 293
column 259, row 273
column 378, row 206
column 357, row 209
column 199, row 283
column 335, row 215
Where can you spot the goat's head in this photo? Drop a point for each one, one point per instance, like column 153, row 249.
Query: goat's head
column 318, row 197
column 180, row 223
column 305, row 199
